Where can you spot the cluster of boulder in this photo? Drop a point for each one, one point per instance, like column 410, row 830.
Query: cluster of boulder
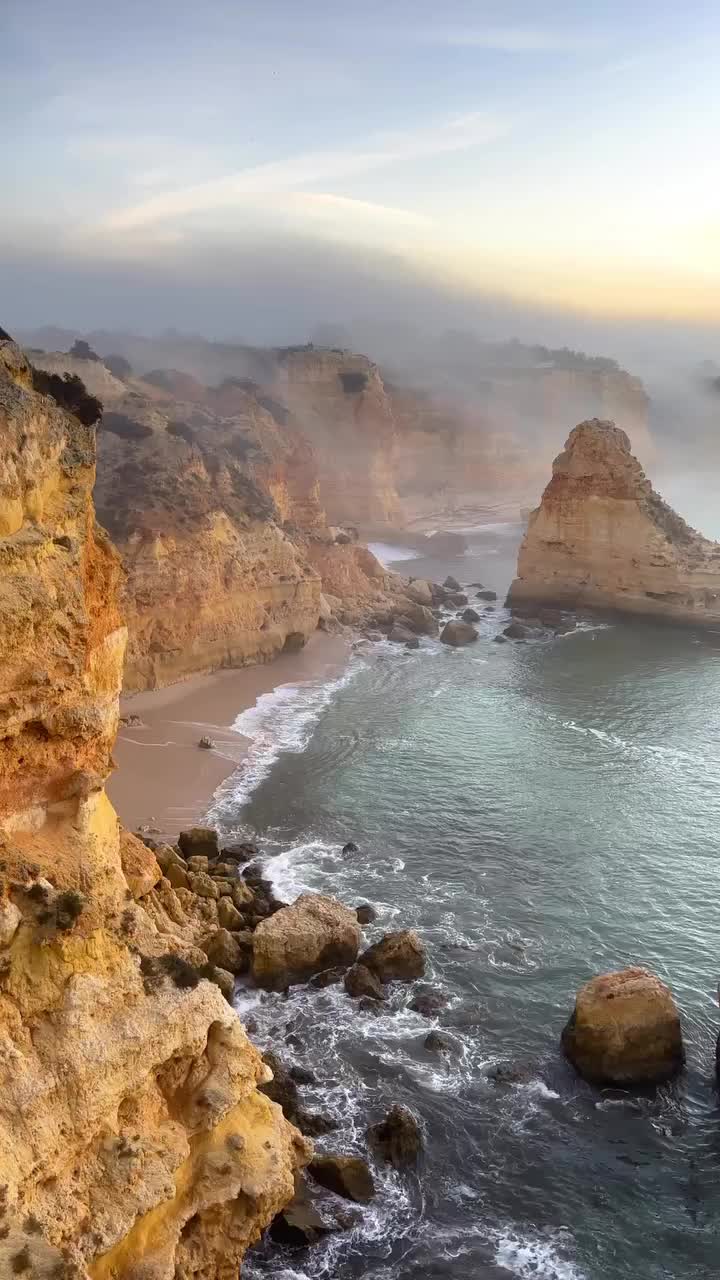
column 241, row 928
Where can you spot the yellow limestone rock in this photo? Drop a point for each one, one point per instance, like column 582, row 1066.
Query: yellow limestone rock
column 134, row 1144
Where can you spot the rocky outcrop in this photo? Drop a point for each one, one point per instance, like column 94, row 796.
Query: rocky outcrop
column 314, row 933
column 602, row 538
column 625, row 1029
column 133, row 1135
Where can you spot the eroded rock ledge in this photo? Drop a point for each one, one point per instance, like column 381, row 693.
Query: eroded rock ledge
column 602, row 538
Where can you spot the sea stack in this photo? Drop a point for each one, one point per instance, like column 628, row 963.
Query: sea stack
column 602, row 538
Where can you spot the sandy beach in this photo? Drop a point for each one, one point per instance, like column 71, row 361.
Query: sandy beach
column 164, row 781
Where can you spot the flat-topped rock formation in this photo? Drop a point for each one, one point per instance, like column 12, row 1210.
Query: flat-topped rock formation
column 602, row 538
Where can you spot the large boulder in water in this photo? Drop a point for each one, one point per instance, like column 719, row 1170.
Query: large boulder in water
column 458, row 633
column 199, row 841
column 396, row 956
column 625, row 1030
column 314, row 933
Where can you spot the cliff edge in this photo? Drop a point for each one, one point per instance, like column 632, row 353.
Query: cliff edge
column 602, row 538
column 133, row 1138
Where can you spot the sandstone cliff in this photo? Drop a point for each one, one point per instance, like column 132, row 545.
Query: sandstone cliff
column 472, row 446
column 342, row 407
column 602, row 538
column 133, row 1139
column 201, row 508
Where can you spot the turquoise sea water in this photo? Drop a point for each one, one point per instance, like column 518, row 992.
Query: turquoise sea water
column 539, row 813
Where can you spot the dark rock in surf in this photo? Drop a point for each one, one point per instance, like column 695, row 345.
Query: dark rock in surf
column 451, row 584
column 327, row 978
column 487, row 594
column 366, row 1004
column 499, row 640
column 347, row 1176
column 206, row 743
column 397, row 1138
column 412, row 644
column 458, row 634
column 401, row 635
column 397, row 956
column 516, row 631
column 350, row 847
column 511, row 1073
column 365, row 913
column 470, row 615
column 456, row 598
column 302, row 1075
column 243, row 851
column 428, row 1001
column 439, row 1042
column 359, row 981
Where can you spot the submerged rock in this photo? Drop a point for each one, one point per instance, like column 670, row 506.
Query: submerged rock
column 396, row 956
column 458, row 633
column 350, row 847
column 397, row 1138
column 625, row 1029
column 428, row 1001
column 439, row 1042
column 315, row 933
column 347, row 1176
column 486, row 594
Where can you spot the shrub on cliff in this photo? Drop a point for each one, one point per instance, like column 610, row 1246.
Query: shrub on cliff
column 83, row 351
column 119, row 366
column 69, row 392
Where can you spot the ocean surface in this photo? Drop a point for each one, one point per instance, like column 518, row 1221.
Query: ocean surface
column 539, row 812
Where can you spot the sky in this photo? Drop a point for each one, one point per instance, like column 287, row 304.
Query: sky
column 251, row 167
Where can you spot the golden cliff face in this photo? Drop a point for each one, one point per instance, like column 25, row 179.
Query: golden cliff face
column 201, row 508
column 496, row 441
column 133, row 1141
column 342, row 407
column 602, row 538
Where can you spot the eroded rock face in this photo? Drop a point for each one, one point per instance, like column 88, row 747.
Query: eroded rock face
column 313, row 934
column 625, row 1029
column 132, row 1132
column 602, row 538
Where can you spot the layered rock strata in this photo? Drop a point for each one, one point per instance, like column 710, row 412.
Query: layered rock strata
column 602, row 538
column 133, row 1137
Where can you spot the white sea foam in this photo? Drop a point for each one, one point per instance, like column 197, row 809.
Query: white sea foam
column 386, row 553
column 282, row 720
column 533, row 1258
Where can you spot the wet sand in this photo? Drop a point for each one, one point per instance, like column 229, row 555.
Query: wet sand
column 164, row 781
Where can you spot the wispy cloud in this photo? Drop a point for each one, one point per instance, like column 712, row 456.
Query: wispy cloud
column 322, row 200
column 458, row 134
column 512, row 39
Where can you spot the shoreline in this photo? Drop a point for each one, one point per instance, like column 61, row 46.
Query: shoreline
column 164, row 782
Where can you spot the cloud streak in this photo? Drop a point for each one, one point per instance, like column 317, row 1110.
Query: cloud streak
column 458, row 134
column 512, row 39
